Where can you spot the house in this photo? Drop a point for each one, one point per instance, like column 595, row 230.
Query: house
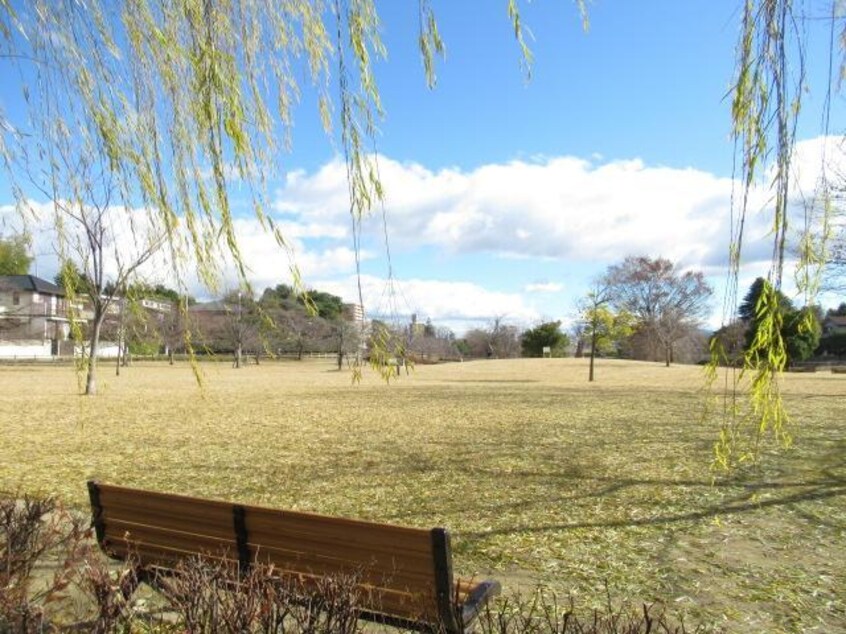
column 33, row 317
column 834, row 325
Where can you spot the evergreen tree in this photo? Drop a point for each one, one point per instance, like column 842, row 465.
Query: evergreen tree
column 544, row 335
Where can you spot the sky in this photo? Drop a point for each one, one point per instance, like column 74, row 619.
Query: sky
column 506, row 196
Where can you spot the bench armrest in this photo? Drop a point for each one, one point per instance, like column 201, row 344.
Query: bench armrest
column 477, row 599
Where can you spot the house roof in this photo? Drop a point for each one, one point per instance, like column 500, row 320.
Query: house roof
column 30, row 283
column 835, row 320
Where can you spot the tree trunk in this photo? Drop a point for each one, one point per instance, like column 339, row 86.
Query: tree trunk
column 94, row 348
column 593, row 338
column 669, row 354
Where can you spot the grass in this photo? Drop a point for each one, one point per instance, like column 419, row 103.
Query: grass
column 541, row 477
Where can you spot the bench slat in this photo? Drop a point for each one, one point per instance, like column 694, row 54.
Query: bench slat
column 383, row 557
column 382, row 537
column 152, row 555
column 206, row 513
column 171, row 501
column 120, row 531
column 399, row 578
column 221, row 528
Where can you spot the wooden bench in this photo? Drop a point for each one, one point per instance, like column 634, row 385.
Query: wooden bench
column 405, row 574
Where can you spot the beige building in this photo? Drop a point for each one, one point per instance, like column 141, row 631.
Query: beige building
column 33, row 316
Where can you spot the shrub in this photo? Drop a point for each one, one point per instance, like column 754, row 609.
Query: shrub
column 32, row 529
column 543, row 613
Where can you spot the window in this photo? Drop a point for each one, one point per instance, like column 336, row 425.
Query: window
column 16, row 299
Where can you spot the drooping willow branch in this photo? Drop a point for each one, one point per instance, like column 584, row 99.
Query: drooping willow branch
column 766, row 105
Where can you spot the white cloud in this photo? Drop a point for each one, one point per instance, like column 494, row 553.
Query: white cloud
column 128, row 233
column 809, row 158
column 564, row 208
column 544, row 287
column 460, row 305
column 266, row 262
column 586, row 213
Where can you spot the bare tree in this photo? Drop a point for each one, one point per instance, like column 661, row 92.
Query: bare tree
column 175, row 328
column 504, row 339
column 231, row 325
column 106, row 228
column 666, row 302
column 100, row 265
column 496, row 341
column 347, row 337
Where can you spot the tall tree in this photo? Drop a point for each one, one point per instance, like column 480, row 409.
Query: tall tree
column 324, row 304
column 751, row 304
column 666, row 302
column 802, row 332
column 14, row 255
column 545, row 335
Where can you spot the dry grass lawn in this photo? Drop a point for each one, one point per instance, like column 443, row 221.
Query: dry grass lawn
column 542, row 477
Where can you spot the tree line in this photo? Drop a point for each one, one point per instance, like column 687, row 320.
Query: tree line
column 641, row 308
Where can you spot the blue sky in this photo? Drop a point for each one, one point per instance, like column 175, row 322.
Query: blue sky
column 505, row 197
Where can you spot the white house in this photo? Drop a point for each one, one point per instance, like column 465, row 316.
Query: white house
column 33, row 317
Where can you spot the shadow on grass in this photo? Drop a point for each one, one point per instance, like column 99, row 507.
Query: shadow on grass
column 729, row 508
column 831, row 485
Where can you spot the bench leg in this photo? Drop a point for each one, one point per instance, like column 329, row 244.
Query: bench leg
column 129, row 581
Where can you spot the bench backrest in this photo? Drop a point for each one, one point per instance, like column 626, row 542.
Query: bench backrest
column 406, row 572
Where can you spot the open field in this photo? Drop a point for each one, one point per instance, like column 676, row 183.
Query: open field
column 542, row 477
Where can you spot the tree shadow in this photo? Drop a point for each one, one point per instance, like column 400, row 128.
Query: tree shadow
column 729, row 508
column 830, row 484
